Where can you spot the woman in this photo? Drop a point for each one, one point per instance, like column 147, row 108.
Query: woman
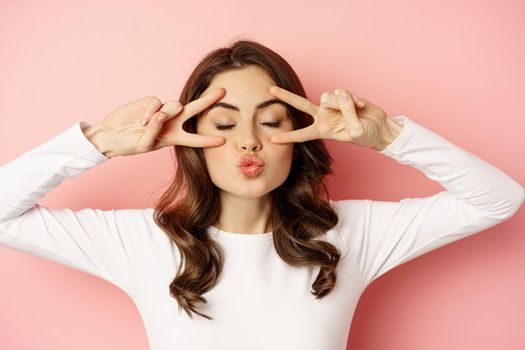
column 244, row 236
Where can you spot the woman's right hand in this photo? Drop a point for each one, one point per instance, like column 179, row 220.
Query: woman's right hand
column 123, row 133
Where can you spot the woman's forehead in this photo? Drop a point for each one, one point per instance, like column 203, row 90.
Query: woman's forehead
column 248, row 80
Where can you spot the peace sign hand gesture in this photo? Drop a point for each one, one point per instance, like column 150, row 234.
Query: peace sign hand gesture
column 337, row 118
column 120, row 134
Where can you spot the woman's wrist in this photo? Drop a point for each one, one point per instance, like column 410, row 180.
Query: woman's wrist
column 96, row 135
column 391, row 131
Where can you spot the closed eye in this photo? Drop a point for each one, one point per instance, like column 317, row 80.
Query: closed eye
column 227, row 127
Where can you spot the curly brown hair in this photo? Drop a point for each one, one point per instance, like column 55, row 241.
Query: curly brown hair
column 300, row 208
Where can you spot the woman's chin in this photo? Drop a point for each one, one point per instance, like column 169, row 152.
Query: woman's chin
column 251, row 193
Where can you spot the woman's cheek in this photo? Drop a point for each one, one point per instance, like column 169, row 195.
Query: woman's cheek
column 281, row 153
column 216, row 158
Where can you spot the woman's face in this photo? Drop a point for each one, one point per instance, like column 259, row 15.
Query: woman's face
column 247, row 131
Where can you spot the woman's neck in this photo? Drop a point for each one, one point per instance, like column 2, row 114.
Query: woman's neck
column 244, row 215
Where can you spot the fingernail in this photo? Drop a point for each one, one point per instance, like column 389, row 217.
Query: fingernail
column 143, row 122
column 343, row 95
column 324, row 97
column 161, row 117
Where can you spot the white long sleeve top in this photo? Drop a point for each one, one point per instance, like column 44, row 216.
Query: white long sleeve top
column 260, row 302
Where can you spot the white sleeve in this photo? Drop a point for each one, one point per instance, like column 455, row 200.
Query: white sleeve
column 387, row 234
column 91, row 240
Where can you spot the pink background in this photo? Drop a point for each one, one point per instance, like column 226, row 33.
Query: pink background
column 455, row 67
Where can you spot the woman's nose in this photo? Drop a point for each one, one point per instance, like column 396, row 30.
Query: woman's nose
column 248, row 139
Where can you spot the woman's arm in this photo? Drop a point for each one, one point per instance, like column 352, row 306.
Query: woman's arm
column 382, row 235
column 90, row 240
column 390, row 133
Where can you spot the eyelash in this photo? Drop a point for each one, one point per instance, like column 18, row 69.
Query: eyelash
column 227, row 127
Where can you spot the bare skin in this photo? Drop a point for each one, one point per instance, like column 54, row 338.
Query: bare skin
column 346, row 119
column 134, row 128
column 121, row 132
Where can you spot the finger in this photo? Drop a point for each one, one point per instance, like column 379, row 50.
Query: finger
column 185, row 138
column 294, row 100
column 197, row 140
column 149, row 137
column 153, row 106
column 358, row 102
column 299, row 135
column 328, row 100
column 171, row 108
column 348, row 110
column 200, row 104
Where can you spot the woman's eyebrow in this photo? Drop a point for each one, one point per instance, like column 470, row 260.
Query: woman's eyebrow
column 259, row 106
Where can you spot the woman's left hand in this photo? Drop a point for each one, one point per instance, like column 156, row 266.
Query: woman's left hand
column 338, row 118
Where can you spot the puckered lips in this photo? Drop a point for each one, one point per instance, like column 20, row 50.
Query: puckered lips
column 250, row 160
column 250, row 165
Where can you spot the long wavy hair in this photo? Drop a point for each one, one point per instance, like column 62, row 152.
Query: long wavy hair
column 300, row 208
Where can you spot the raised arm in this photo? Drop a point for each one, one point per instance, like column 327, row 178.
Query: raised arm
column 90, row 240
column 382, row 235
column 109, row 244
